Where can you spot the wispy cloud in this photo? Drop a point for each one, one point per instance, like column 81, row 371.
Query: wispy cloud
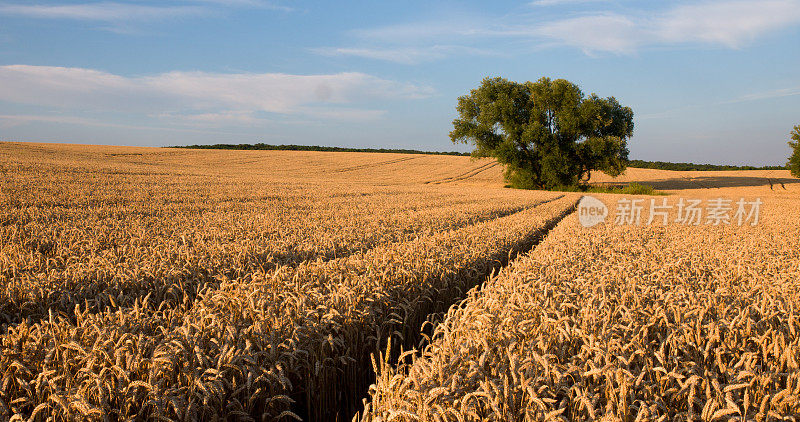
column 459, row 28
column 561, row 2
column 105, row 12
column 418, row 42
column 115, row 12
column 259, row 4
column 346, row 114
column 767, row 95
column 758, row 96
column 201, row 96
column 223, row 118
column 608, row 32
column 730, row 24
column 405, row 55
column 722, row 23
column 11, row 120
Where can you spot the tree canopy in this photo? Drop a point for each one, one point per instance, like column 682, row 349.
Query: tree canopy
column 794, row 160
column 546, row 133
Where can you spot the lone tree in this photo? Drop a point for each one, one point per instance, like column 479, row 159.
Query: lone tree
column 794, row 160
column 546, row 133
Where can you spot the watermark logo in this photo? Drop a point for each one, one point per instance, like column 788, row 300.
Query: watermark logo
column 688, row 212
column 591, row 211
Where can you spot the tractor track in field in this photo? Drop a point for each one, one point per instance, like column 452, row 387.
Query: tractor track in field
column 412, row 337
column 465, row 175
column 198, row 279
column 371, row 165
column 350, row 400
column 699, row 183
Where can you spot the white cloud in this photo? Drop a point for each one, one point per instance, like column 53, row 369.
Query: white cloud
column 202, row 96
column 723, row 23
column 611, row 33
column 730, row 24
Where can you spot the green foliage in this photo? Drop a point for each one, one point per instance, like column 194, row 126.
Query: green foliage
column 546, row 133
column 632, row 188
column 794, row 160
column 268, row 147
column 663, row 165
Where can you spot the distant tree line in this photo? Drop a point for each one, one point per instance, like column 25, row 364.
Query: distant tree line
column 268, row 147
column 662, row 165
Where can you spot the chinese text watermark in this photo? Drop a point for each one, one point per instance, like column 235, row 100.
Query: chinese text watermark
column 690, row 212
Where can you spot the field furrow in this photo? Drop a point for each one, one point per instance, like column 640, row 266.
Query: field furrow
column 238, row 348
column 179, row 284
column 372, row 165
column 119, row 245
column 465, row 175
column 146, row 343
column 619, row 323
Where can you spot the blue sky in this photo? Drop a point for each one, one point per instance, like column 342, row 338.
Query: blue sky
column 709, row 81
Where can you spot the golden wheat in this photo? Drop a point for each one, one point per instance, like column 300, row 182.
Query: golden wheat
column 183, row 296
column 620, row 323
column 142, row 283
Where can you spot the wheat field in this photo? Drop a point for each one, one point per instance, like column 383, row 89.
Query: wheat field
column 173, row 284
column 620, row 323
